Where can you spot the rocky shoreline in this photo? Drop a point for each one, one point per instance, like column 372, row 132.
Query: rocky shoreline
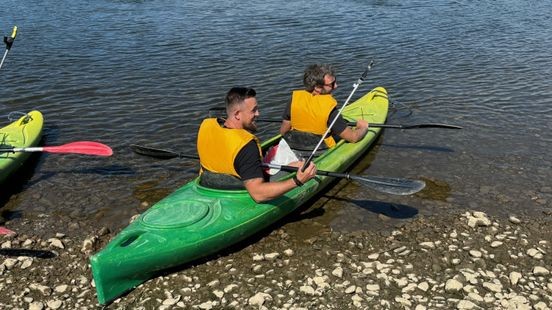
column 455, row 261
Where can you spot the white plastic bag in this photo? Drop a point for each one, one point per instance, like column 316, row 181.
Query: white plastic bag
column 280, row 154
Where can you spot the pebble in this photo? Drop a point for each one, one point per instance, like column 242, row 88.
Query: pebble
column 307, row 289
column 490, row 280
column 230, row 288
column 534, row 253
column 372, row 287
column 26, row 263
column 466, row 304
column 55, row 242
column 271, row 256
column 493, row 287
column 54, row 304
column 208, row 305
column 424, row 286
column 338, row 272
column 540, row 271
column 514, row 220
column 453, row 286
column 351, row 289
column 36, row 305
column 514, row 277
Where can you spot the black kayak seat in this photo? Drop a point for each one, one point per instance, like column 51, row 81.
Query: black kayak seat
column 303, row 143
column 220, row 181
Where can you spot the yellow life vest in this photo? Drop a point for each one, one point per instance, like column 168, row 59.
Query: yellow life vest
column 218, row 146
column 310, row 113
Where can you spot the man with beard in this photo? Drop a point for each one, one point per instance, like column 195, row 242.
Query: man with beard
column 229, row 147
column 312, row 110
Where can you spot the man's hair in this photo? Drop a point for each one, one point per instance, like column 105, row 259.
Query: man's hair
column 237, row 95
column 314, row 75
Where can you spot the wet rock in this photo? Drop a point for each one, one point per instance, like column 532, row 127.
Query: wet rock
column 9, row 263
column 55, row 242
column 54, row 304
column 372, row 287
column 453, row 286
column 271, row 256
column 540, row 271
column 514, row 277
column 259, row 299
column 466, row 304
column 478, row 219
column 338, row 272
column 43, row 289
column 493, row 287
column 307, row 289
column 230, row 288
column 26, row 263
column 88, row 245
column 36, row 305
column 171, row 301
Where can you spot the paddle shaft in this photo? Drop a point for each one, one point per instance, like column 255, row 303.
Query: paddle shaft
column 318, row 172
column 9, row 42
column 394, row 186
column 355, row 86
column 376, row 125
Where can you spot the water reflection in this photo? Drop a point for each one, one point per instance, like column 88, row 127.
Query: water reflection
column 147, row 71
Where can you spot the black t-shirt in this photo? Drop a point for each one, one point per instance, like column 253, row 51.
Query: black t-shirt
column 248, row 162
column 338, row 127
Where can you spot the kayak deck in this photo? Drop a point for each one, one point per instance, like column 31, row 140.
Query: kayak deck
column 25, row 132
column 197, row 221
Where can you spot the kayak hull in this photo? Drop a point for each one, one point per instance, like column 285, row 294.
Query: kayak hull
column 196, row 221
column 25, row 132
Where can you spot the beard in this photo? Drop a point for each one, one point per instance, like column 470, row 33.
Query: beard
column 251, row 127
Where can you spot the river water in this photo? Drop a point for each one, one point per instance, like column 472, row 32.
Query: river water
column 146, row 72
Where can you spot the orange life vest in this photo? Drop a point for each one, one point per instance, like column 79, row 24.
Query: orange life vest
column 218, row 146
column 310, row 113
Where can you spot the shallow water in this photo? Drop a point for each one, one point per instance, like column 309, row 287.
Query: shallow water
column 146, row 72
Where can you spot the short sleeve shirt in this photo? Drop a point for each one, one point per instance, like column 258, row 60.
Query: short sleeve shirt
column 248, row 162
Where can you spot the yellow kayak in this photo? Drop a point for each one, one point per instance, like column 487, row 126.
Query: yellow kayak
column 25, row 132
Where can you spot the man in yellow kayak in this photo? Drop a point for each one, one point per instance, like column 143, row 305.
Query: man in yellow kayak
column 313, row 109
column 230, row 147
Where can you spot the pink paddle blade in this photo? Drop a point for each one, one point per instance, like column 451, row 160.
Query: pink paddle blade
column 81, row 147
column 5, row 231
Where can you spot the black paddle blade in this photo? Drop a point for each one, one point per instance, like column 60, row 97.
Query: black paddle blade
column 152, row 152
column 395, row 186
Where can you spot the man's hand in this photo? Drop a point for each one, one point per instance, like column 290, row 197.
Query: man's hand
column 309, row 173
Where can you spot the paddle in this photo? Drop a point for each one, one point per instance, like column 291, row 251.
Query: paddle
column 395, row 186
column 9, row 42
column 355, row 86
column 5, row 231
column 214, row 111
column 79, row 147
column 397, row 126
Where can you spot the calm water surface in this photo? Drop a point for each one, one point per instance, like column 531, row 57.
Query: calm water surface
column 146, row 72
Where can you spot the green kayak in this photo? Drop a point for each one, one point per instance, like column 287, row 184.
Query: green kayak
column 25, row 132
column 197, row 221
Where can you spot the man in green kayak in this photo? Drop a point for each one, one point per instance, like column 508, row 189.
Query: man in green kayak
column 230, row 147
column 313, row 109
